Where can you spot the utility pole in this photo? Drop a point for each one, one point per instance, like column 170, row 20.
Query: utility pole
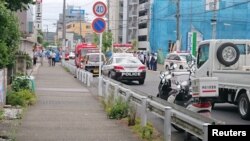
column 64, row 29
column 80, row 18
column 178, row 25
column 108, row 4
column 213, row 20
column 47, row 34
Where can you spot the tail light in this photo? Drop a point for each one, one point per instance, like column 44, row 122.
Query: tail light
column 117, row 68
column 142, row 68
column 202, row 105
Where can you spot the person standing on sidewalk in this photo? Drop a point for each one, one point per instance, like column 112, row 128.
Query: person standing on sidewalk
column 53, row 58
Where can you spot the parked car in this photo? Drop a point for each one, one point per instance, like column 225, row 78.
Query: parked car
column 180, row 59
column 125, row 68
column 72, row 55
column 92, row 62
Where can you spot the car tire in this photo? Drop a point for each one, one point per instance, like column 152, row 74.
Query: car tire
column 141, row 82
column 181, row 67
column 244, row 106
column 230, row 60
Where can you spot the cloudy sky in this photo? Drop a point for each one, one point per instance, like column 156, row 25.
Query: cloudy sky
column 52, row 8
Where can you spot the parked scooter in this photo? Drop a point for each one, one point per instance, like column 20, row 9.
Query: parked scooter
column 182, row 95
column 165, row 82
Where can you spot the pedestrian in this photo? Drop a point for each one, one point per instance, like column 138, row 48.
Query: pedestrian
column 147, row 60
column 35, row 55
column 155, row 63
column 41, row 55
column 152, row 61
column 141, row 57
column 53, row 58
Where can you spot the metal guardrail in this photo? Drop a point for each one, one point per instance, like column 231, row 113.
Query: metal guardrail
column 187, row 120
column 82, row 75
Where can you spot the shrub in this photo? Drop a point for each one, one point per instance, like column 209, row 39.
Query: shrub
column 145, row 132
column 20, row 83
column 21, row 98
column 118, row 110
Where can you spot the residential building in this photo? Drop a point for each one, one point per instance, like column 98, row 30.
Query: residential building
column 132, row 28
column 26, row 26
column 144, row 24
column 83, row 27
column 231, row 16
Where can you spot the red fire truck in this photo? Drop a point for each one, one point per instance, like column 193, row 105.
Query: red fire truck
column 81, row 50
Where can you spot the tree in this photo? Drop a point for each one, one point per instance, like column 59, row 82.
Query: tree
column 9, row 37
column 106, row 41
column 96, row 39
column 15, row 5
column 134, row 44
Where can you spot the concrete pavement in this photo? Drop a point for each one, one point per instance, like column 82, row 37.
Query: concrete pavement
column 67, row 111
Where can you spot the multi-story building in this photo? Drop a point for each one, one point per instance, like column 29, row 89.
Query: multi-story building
column 144, row 24
column 72, row 14
column 81, row 28
column 231, row 16
column 129, row 21
column 26, row 26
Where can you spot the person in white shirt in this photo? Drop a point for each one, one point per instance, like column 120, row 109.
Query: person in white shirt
column 53, row 56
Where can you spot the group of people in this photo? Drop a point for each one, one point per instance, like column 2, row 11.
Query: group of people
column 148, row 59
column 41, row 54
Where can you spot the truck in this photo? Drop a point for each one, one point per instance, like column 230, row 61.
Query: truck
column 229, row 61
column 81, row 50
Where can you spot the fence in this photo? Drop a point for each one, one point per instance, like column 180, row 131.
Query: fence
column 189, row 121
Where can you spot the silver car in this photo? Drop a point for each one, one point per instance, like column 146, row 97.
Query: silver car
column 125, row 68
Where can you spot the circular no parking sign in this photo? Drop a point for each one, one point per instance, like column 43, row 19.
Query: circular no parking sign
column 98, row 25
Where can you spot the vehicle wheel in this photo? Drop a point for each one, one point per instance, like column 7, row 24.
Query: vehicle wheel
column 244, row 106
column 157, row 95
column 141, row 82
column 212, row 103
column 228, row 54
column 181, row 67
column 177, row 128
column 167, row 67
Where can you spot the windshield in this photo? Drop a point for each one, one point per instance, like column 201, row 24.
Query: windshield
column 203, row 54
column 188, row 58
column 95, row 58
column 130, row 60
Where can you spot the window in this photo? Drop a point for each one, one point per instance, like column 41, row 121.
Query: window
column 87, row 27
column 68, row 26
column 142, row 38
column 142, row 25
column 203, row 53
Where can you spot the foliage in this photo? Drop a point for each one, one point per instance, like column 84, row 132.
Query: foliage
column 22, row 98
column 20, row 83
column 135, row 45
column 3, row 55
column 96, row 39
column 131, row 115
column 45, row 44
column 15, row 5
column 106, row 41
column 119, row 110
column 40, row 37
column 144, row 132
column 1, row 113
column 10, row 34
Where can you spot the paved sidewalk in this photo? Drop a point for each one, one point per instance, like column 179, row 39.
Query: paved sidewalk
column 66, row 111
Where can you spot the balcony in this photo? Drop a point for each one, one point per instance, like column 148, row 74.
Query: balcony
column 144, row 6
column 143, row 31
column 143, row 19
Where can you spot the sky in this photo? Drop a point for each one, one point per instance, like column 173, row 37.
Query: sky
column 52, row 8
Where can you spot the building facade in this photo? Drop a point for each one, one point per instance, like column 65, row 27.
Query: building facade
column 232, row 21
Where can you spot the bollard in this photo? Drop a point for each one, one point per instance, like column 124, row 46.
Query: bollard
column 88, row 79
column 82, row 76
column 100, row 86
column 107, row 89
column 205, row 129
column 167, row 124
column 144, row 112
column 85, row 77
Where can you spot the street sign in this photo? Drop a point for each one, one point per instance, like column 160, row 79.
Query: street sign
column 98, row 25
column 77, row 11
column 99, row 9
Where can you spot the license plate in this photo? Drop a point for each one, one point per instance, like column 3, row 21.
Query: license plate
column 131, row 74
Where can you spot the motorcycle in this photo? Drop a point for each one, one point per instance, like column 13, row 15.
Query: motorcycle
column 182, row 95
column 165, row 82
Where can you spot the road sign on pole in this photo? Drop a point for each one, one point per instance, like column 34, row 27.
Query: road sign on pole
column 100, row 9
column 98, row 25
